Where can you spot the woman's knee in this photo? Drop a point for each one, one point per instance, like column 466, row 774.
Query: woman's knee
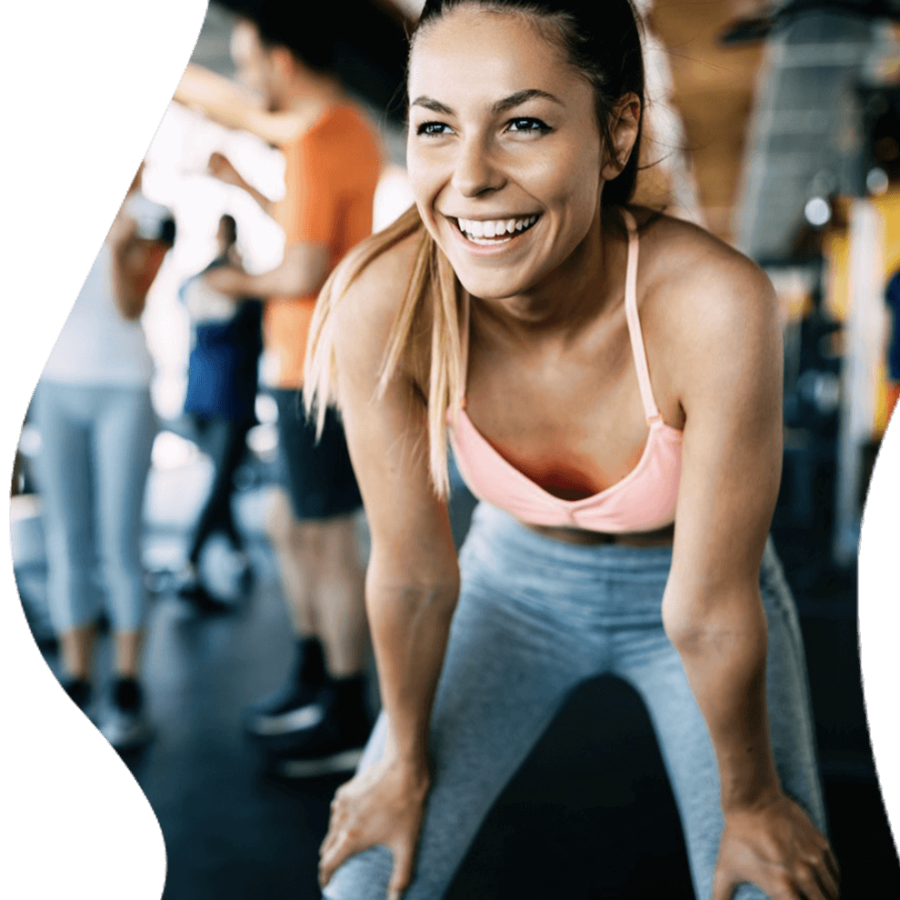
column 363, row 877
column 280, row 519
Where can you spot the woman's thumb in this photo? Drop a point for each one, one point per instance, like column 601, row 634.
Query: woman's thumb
column 402, row 874
column 723, row 886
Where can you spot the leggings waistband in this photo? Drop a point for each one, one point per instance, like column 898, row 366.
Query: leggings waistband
column 497, row 538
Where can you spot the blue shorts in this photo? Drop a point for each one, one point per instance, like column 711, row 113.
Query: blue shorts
column 318, row 476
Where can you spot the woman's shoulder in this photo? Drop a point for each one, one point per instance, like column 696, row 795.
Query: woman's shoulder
column 696, row 284
column 371, row 283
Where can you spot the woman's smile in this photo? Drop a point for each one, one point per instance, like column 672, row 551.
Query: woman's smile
column 492, row 236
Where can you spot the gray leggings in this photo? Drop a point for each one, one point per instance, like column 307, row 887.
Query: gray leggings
column 536, row 617
column 92, row 470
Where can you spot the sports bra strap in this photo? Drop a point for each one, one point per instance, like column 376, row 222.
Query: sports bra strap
column 631, row 314
column 634, row 322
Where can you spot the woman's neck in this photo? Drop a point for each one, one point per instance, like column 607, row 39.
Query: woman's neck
column 587, row 285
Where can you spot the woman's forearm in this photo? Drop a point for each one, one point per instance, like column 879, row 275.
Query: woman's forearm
column 409, row 627
column 724, row 656
column 217, row 97
column 126, row 291
column 266, row 204
column 227, row 103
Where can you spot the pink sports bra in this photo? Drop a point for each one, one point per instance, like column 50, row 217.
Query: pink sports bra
column 644, row 500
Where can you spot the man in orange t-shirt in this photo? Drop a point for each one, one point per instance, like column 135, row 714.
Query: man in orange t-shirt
column 318, row 721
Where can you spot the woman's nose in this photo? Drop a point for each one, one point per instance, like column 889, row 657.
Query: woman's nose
column 475, row 170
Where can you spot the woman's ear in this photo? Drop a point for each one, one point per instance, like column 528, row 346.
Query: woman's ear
column 624, row 123
column 282, row 62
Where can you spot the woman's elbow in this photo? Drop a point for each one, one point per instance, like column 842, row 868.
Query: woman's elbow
column 413, row 598
column 731, row 624
column 131, row 309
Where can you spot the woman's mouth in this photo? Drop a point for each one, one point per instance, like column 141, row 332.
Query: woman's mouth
column 491, row 232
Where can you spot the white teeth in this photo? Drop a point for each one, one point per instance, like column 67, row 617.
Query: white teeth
column 475, row 228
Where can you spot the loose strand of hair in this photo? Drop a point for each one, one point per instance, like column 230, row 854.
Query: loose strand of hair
column 408, row 311
column 445, row 382
column 320, row 366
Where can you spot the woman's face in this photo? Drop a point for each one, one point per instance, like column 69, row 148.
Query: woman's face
column 504, row 152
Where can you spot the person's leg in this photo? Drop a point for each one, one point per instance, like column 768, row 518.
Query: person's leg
column 297, row 581
column 330, row 728
column 648, row 661
column 517, row 647
column 65, row 480
column 326, row 501
column 340, row 587
column 226, row 444
column 313, row 530
column 235, row 452
column 125, row 428
column 290, row 706
column 213, row 445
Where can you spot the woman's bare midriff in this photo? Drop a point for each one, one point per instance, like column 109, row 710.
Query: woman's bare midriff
column 660, row 538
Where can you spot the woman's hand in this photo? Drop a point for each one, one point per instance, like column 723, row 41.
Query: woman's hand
column 220, row 167
column 227, row 280
column 777, row 848
column 122, row 233
column 382, row 805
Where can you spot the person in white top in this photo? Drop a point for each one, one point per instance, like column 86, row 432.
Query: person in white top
column 93, row 411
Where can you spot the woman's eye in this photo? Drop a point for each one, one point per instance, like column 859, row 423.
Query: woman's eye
column 529, row 124
column 433, row 128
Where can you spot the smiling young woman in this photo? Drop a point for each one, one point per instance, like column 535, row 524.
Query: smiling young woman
column 610, row 381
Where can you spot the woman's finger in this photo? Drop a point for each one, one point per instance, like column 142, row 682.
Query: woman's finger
column 723, row 886
column 330, row 839
column 830, row 884
column 336, row 854
column 402, row 871
column 833, row 867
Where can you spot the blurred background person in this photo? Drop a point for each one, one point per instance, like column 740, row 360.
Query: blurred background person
column 221, row 394
column 93, row 410
column 318, row 720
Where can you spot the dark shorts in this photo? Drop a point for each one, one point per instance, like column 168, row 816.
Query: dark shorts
column 318, row 476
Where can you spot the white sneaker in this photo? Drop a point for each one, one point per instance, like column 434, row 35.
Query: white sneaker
column 125, row 730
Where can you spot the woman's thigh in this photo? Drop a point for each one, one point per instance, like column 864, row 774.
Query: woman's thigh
column 647, row 660
column 507, row 670
column 65, row 479
column 124, row 431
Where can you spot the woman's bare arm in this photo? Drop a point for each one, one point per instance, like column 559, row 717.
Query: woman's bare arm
column 222, row 100
column 134, row 264
column 222, row 168
column 413, row 576
column 300, row 274
column 730, row 385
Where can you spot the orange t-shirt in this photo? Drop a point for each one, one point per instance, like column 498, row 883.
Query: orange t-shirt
column 331, row 172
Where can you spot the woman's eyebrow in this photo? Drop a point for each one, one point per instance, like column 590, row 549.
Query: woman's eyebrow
column 520, row 97
column 433, row 105
column 504, row 105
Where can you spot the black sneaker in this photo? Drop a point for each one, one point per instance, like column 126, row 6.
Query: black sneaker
column 80, row 692
column 124, row 722
column 338, row 726
column 290, row 708
column 202, row 600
